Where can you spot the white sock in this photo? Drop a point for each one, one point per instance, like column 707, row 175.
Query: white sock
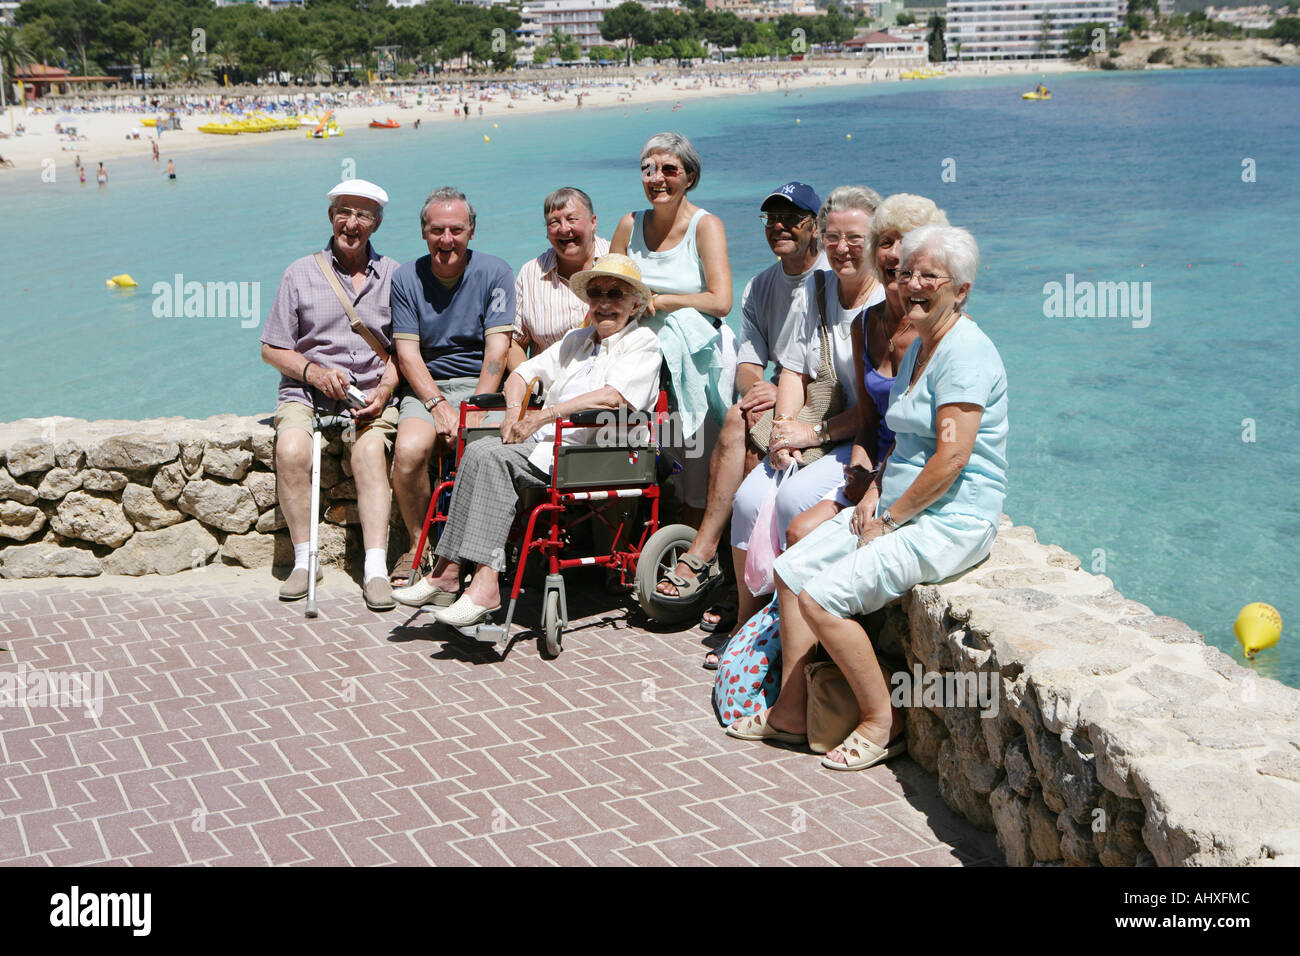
column 376, row 566
column 300, row 554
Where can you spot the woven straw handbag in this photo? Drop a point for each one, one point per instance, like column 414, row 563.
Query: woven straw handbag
column 825, row 392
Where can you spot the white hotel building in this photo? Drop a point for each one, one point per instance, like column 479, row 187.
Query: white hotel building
column 1013, row 29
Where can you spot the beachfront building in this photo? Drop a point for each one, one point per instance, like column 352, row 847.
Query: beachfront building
column 1019, row 29
column 579, row 19
column 1166, row 8
column 1248, row 18
column 38, row 79
column 888, row 50
column 765, row 10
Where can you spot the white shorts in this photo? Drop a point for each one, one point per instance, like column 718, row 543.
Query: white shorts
column 847, row 580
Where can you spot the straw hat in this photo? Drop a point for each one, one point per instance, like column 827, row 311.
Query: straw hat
column 612, row 264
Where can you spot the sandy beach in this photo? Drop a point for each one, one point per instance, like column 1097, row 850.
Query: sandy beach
column 108, row 134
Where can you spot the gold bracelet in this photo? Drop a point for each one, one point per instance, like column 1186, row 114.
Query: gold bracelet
column 782, row 418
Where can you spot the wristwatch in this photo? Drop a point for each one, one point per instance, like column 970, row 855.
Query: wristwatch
column 889, row 521
column 432, row 403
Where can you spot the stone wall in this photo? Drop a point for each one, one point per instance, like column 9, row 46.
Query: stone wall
column 1119, row 737
column 83, row 498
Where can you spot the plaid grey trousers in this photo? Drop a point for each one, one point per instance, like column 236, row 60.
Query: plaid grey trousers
column 484, row 500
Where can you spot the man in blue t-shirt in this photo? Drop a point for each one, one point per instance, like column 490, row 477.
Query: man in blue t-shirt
column 453, row 312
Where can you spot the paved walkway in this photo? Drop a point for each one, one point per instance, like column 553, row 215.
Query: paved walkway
column 235, row 732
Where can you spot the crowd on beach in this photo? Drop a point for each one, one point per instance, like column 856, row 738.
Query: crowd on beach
column 871, row 460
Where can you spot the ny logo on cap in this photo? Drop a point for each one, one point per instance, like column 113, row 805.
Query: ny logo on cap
column 788, row 189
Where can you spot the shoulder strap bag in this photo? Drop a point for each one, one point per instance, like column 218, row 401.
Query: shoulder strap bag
column 825, row 392
column 359, row 327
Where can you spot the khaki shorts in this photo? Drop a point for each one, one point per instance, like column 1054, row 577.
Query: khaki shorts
column 453, row 390
column 298, row 415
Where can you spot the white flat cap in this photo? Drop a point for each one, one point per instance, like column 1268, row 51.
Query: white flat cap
column 360, row 187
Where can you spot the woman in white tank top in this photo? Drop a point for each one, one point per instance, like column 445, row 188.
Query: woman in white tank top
column 681, row 251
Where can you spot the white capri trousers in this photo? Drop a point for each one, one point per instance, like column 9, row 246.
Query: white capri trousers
column 847, row 580
column 797, row 493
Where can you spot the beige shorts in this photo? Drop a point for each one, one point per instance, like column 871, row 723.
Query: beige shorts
column 298, row 415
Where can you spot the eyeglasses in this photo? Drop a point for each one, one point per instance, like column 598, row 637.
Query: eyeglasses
column 649, row 169
column 364, row 216
column 613, row 293
column 852, row 240
column 555, row 225
column 787, row 219
column 926, row 280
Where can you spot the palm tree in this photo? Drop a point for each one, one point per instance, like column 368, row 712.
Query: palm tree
column 311, row 64
column 14, row 55
column 166, row 65
column 224, row 59
column 193, row 70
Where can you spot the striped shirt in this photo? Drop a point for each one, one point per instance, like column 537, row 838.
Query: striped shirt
column 307, row 317
column 545, row 307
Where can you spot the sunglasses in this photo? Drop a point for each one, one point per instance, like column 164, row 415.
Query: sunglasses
column 669, row 170
column 613, row 293
column 365, row 217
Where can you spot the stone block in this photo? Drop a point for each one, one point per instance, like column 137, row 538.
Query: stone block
column 251, row 550
column 925, row 734
column 57, row 482
column 228, row 507
column 178, row 548
column 29, row 456
column 261, row 484
column 1044, row 838
column 11, row 490
column 45, row 559
column 132, row 453
column 91, row 518
column 96, row 479
column 146, row 512
column 227, row 458
column 1010, row 813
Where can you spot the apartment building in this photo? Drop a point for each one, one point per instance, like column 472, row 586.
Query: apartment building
column 1019, row 29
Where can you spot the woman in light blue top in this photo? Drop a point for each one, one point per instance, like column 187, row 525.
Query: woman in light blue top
column 940, row 500
column 681, row 251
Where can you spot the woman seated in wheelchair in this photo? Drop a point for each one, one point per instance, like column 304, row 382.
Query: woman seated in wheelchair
column 611, row 363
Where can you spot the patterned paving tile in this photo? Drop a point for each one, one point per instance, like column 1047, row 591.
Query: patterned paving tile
column 234, row 732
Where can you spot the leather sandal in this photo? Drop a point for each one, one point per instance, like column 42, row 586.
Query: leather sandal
column 859, row 753
column 688, row 589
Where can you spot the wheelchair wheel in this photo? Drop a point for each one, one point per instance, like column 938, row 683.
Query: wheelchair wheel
column 659, row 556
column 552, row 626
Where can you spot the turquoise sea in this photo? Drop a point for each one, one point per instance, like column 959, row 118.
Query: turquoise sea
column 1164, row 452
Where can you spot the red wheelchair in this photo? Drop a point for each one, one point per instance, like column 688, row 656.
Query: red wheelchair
column 588, row 482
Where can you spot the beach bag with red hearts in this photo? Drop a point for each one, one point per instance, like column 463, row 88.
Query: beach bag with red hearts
column 749, row 673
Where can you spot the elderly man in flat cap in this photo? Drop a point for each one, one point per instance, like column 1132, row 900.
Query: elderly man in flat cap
column 330, row 327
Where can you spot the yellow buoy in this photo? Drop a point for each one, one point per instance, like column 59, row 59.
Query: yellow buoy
column 124, row 281
column 486, row 138
column 848, row 135
column 494, row 126
column 797, row 120
column 1258, row 626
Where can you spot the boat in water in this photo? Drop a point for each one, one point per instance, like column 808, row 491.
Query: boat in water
column 389, row 123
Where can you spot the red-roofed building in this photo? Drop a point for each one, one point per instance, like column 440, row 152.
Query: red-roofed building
column 39, row 79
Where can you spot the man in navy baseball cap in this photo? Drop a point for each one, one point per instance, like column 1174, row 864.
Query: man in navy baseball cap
column 789, row 216
column 799, row 195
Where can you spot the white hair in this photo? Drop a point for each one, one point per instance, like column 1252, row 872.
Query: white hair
column 951, row 247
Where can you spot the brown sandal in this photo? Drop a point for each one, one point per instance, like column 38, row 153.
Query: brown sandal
column 401, row 576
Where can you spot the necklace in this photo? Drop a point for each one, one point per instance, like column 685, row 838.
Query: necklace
column 897, row 332
column 921, row 363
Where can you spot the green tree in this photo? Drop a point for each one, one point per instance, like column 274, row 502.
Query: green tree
column 904, row 19
column 1045, row 24
column 14, row 55
column 1079, row 41
column 1286, row 29
column 938, row 49
column 629, row 22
